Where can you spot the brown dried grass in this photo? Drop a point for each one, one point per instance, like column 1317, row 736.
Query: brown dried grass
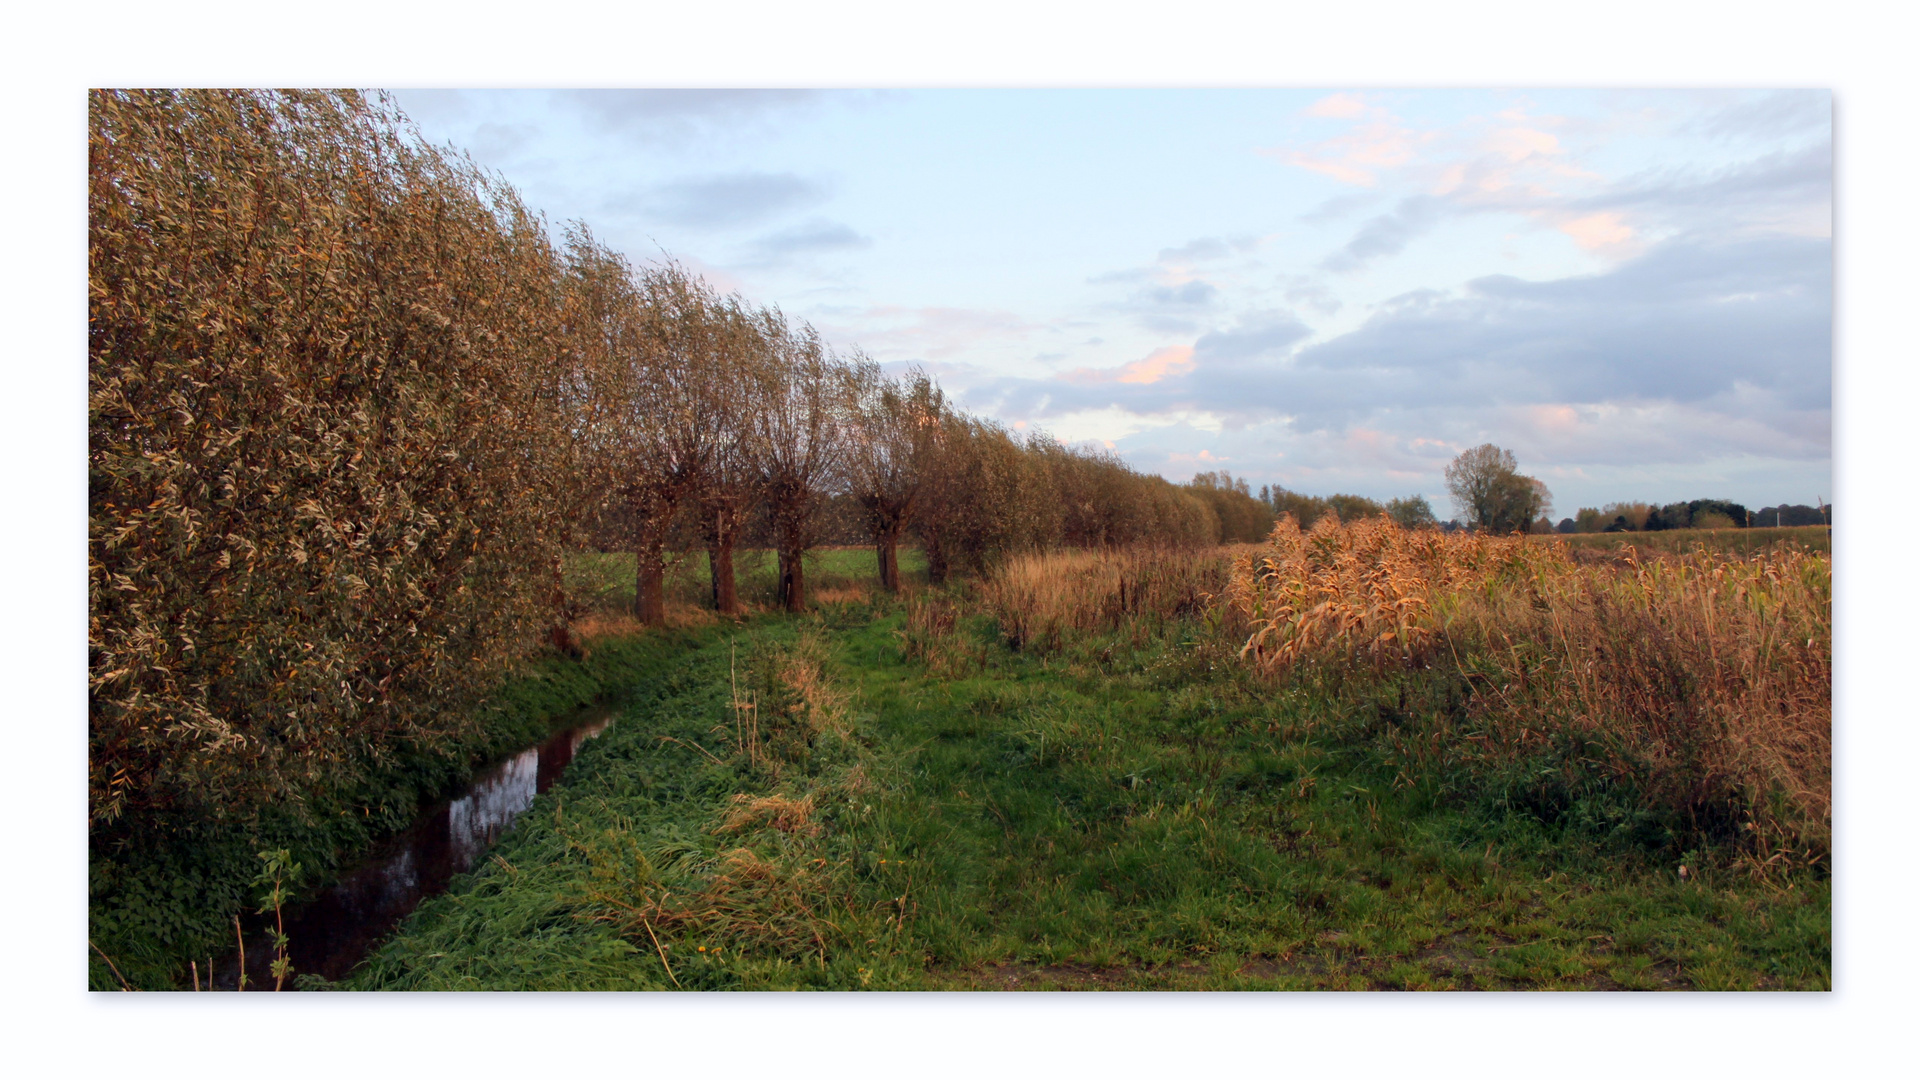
column 850, row 593
column 771, row 812
column 772, row 903
column 933, row 637
column 1044, row 600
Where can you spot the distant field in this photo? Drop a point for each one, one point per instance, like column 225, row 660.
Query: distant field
column 1677, row 541
column 831, row 573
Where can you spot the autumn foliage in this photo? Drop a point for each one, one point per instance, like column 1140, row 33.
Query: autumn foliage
column 322, row 477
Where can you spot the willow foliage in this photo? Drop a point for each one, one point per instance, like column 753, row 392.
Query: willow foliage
column 325, row 474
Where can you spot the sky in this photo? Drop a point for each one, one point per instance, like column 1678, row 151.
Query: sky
column 1331, row 290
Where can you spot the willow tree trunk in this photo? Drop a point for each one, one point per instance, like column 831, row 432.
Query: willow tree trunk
column 720, row 538
column 650, row 581
column 793, row 580
column 936, row 557
column 887, row 547
column 560, row 629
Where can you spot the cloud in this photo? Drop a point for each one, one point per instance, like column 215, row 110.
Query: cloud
column 1206, row 249
column 1359, row 156
column 1192, row 294
column 1201, row 378
column 494, row 141
column 1784, row 190
column 1517, row 163
column 1340, row 206
column 1378, row 141
column 1155, row 366
column 680, row 113
column 1695, row 350
column 1388, row 234
column 730, row 200
column 1688, row 322
column 1339, row 106
column 1171, row 308
column 814, row 237
column 1260, row 336
column 1780, row 114
column 1172, row 268
column 925, row 334
column 1313, row 295
column 1597, row 231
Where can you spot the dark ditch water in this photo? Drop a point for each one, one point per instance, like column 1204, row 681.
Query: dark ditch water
column 332, row 932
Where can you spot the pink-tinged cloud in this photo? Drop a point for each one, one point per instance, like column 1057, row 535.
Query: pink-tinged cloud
column 1157, row 365
column 1518, row 143
column 1358, row 156
column 1554, row 418
column 1596, row 231
column 1439, row 445
column 1338, row 107
column 1204, row 457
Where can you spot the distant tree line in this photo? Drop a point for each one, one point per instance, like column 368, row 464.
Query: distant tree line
column 1411, row 512
column 1695, row 514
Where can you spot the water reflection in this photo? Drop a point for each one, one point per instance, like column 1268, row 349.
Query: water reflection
column 331, row 933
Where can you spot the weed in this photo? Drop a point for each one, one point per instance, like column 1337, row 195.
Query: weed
column 279, row 870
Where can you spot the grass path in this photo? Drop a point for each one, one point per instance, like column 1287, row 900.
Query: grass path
column 1154, row 824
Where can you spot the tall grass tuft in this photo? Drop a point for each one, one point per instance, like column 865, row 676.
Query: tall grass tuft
column 1044, row 601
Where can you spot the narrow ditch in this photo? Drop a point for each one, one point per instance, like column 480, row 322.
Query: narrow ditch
column 331, row 933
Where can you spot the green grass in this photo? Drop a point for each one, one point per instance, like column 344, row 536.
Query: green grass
column 606, row 578
column 155, row 909
column 1110, row 818
column 1680, row 541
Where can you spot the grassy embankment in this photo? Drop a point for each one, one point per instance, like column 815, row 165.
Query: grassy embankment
column 156, row 911
column 1087, row 787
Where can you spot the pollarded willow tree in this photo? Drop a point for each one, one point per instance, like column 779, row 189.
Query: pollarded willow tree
column 898, row 438
column 800, row 426
column 950, row 491
column 731, row 487
column 657, row 353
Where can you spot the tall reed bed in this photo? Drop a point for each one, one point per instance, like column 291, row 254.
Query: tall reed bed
column 1702, row 682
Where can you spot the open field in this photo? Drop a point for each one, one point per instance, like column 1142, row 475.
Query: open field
column 1072, row 776
column 1676, row 541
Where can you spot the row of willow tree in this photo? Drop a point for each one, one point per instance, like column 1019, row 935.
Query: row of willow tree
column 352, row 404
